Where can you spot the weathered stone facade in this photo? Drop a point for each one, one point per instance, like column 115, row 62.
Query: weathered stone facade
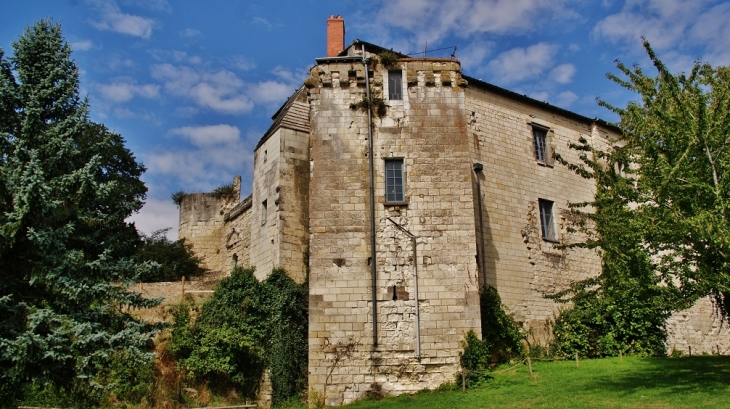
column 473, row 192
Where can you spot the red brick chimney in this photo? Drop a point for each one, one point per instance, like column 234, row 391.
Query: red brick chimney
column 335, row 35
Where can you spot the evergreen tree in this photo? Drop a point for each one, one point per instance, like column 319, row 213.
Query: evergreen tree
column 66, row 187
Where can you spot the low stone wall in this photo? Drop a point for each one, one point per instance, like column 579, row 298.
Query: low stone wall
column 171, row 294
column 701, row 327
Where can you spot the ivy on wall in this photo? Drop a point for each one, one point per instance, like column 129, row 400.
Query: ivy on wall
column 246, row 327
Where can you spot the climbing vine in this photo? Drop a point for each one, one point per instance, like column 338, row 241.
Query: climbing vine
column 246, row 327
column 375, row 103
column 502, row 339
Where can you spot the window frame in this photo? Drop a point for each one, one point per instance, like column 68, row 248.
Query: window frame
column 547, row 220
column 401, row 176
column 399, row 84
column 541, row 151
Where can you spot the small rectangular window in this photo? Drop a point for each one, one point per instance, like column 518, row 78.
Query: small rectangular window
column 546, row 219
column 539, row 137
column 263, row 212
column 394, row 189
column 395, row 85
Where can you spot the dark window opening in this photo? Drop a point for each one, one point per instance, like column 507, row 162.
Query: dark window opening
column 394, row 187
column 395, row 85
column 539, row 137
column 546, row 219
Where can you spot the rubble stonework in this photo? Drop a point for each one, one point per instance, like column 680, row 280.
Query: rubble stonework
column 472, row 191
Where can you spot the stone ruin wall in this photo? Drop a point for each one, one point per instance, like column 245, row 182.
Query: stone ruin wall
column 427, row 130
column 201, row 224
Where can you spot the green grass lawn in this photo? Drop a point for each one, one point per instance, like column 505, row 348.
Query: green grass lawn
column 701, row 381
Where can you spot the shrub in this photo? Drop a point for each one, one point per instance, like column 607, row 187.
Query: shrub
column 174, row 259
column 501, row 340
column 244, row 328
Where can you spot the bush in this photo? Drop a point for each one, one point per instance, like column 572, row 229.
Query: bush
column 608, row 321
column 244, row 328
column 174, row 259
column 501, row 335
column 501, row 340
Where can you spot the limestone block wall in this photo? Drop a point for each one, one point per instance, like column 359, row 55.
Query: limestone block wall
column 201, row 223
column 428, row 131
column 518, row 261
column 293, row 203
column 236, row 237
column 700, row 327
column 265, row 224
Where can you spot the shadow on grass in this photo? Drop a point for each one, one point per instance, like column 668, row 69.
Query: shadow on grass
column 674, row 375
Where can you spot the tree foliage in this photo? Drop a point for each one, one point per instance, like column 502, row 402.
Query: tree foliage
column 502, row 339
column 66, row 187
column 676, row 140
column 173, row 259
column 246, row 327
column 659, row 216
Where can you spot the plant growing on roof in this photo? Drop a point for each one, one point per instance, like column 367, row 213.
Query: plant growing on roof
column 388, row 59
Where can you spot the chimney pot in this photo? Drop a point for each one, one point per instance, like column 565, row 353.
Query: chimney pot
column 335, row 35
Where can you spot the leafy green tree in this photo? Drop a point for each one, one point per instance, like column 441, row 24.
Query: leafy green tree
column 676, row 139
column 66, row 187
column 659, row 216
column 174, row 258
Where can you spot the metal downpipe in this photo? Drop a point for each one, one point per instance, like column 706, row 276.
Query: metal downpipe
column 373, row 263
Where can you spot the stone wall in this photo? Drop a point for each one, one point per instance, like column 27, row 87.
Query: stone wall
column 428, row 131
column 518, row 261
column 201, row 223
column 700, row 328
column 206, row 223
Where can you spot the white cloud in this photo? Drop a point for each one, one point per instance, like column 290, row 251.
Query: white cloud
column 220, row 91
column 175, row 55
column 154, row 5
column 155, row 215
column 565, row 99
column 200, row 168
column 242, row 63
column 432, row 20
column 223, row 91
column 520, row 64
column 472, row 55
column 263, row 23
column 563, row 73
column 190, row 32
column 540, row 96
column 83, row 45
column 206, row 136
column 681, row 26
column 124, row 88
column 270, row 92
column 111, row 18
column 115, row 63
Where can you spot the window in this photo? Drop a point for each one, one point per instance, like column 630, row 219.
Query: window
column 539, row 137
column 394, row 190
column 395, row 85
column 546, row 219
column 263, row 212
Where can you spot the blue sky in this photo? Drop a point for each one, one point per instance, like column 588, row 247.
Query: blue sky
column 192, row 85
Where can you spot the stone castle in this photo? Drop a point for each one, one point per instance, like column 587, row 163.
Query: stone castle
column 400, row 213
